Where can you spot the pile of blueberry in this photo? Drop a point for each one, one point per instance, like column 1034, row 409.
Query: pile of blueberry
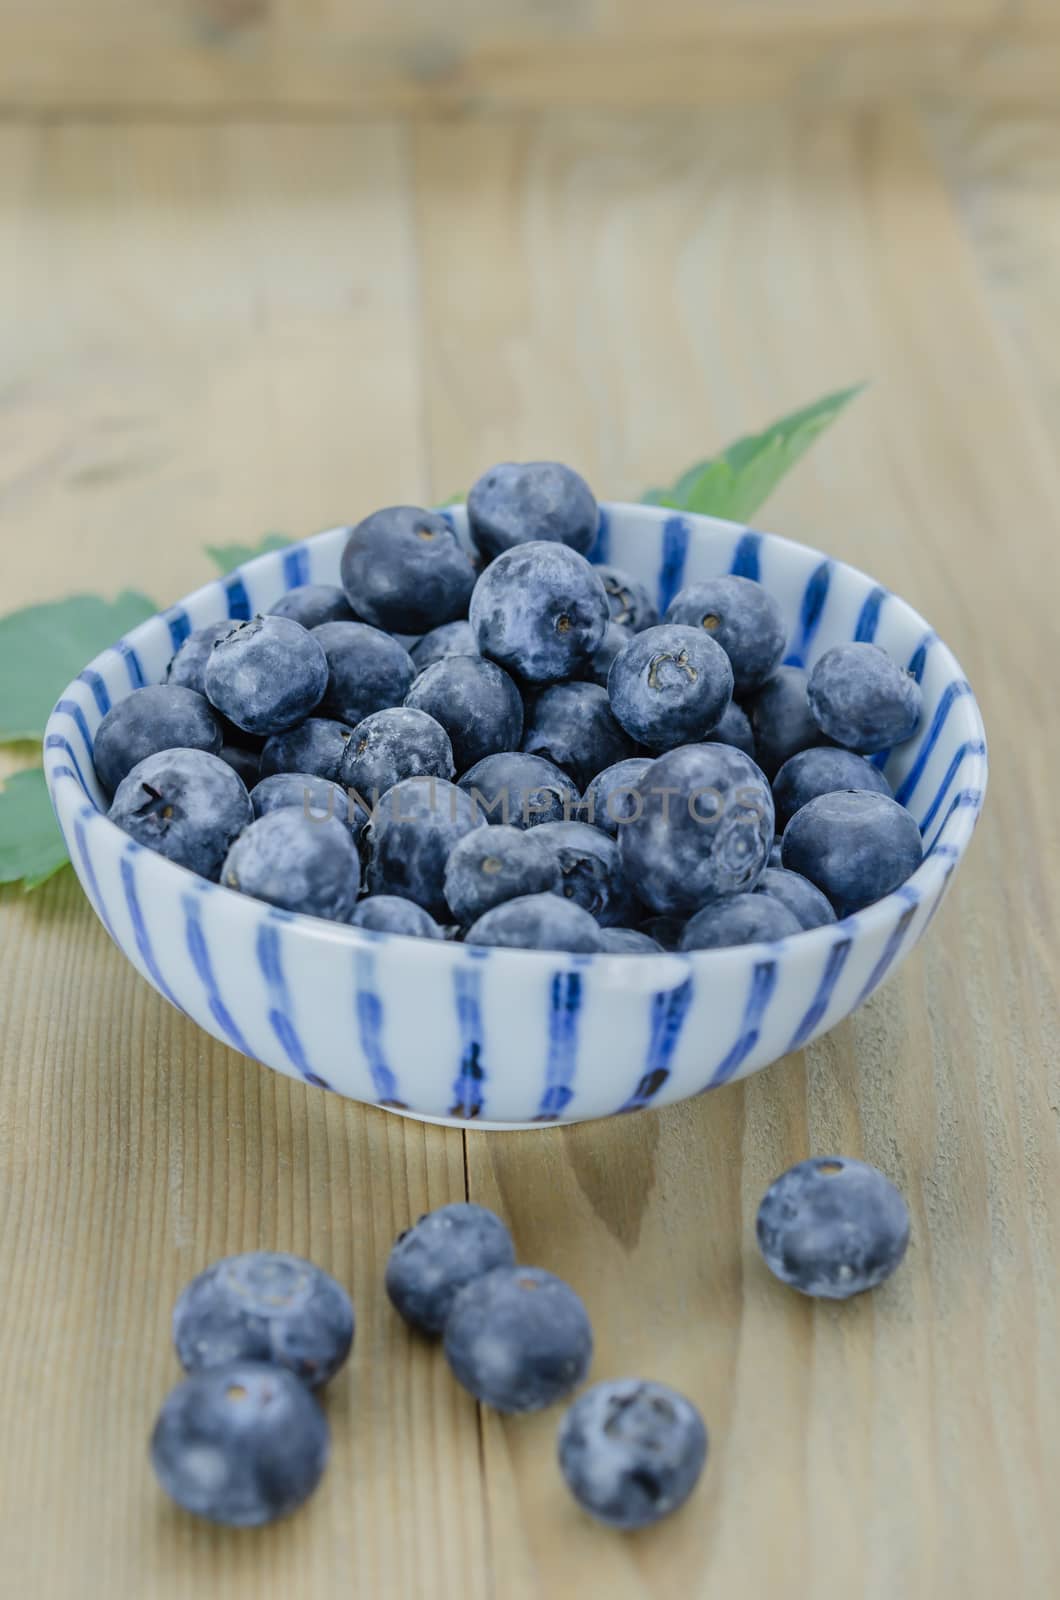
column 243, row 1440
column 515, row 750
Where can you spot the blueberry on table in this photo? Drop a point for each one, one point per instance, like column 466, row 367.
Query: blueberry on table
column 832, row 1227
column 390, row 745
column 572, row 725
column 162, row 716
column 296, row 862
column 367, row 670
column 540, row 611
column 246, row 764
column 591, row 870
column 855, row 846
column 735, row 729
column 862, row 699
column 476, row 703
column 314, row 603
column 492, row 865
column 266, row 674
column 630, row 603
column 631, row 1451
column 412, row 831
column 404, row 569
column 518, row 501
column 315, row 797
column 523, row 790
column 616, row 638
column 518, row 1338
column 809, row 907
column 264, row 1306
column 611, row 798
column 704, row 828
column 187, row 805
column 438, row 1256
column 188, row 666
column 628, row 942
column 537, row 922
column 743, row 618
column 451, row 639
column 390, row 913
column 822, row 770
column 670, row 686
column 781, row 720
column 242, row 1444
column 316, row 745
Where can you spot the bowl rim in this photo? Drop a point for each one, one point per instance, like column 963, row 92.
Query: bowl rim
column 935, row 869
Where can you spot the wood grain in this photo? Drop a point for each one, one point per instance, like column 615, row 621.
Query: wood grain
column 227, row 329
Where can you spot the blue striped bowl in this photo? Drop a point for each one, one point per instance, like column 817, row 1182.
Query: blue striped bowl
column 505, row 1037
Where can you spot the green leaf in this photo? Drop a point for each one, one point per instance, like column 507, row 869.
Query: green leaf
column 453, row 500
column 228, row 556
column 31, row 846
column 735, row 483
column 43, row 647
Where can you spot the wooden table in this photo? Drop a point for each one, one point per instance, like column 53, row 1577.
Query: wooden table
column 217, row 328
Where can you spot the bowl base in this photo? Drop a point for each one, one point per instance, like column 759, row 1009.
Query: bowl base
column 473, row 1125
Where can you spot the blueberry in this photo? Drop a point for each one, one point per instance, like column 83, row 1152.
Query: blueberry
column 540, row 611
column 266, row 674
column 404, row 569
column 245, row 763
column 264, row 1307
column 518, row 1338
column 572, row 725
column 704, row 828
column 631, row 1451
column 438, row 1256
column 316, row 745
column 611, row 797
column 821, row 770
column 855, row 846
column 735, row 729
column 476, row 703
column 670, row 686
column 832, row 1227
column 314, row 797
column 492, row 865
column 592, row 871
column 162, row 716
column 740, row 616
column 631, row 605
column 390, row 745
column 616, row 637
column 186, row 804
column 809, row 907
column 188, row 666
column 451, row 639
column 413, row 829
column 667, row 931
column 628, row 942
column 241, row 1444
column 297, row 863
column 739, row 919
column 367, row 670
column 862, row 699
column 533, row 500
column 537, row 922
column 390, row 913
column 781, row 720
column 314, row 603
column 523, row 790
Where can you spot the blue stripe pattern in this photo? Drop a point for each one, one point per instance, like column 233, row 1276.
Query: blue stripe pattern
column 869, row 616
column 675, row 536
column 763, row 982
column 918, row 660
column 601, row 550
column 71, row 709
column 281, row 1019
column 369, row 1011
column 961, row 800
column 143, row 941
column 132, row 664
column 745, row 562
column 295, row 566
column 179, row 624
column 952, row 692
column 893, row 945
column 565, row 1003
column 467, row 1090
column 100, row 692
column 200, row 956
column 669, row 1008
column 94, row 892
column 837, row 960
column 55, row 741
column 970, row 747
column 237, row 599
column 810, row 612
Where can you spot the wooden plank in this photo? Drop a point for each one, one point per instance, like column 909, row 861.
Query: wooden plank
column 628, row 295
column 216, row 335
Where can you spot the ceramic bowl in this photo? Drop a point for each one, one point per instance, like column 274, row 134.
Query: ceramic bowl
column 511, row 1038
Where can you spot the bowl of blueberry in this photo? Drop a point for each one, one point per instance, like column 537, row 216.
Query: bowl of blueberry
column 525, row 811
